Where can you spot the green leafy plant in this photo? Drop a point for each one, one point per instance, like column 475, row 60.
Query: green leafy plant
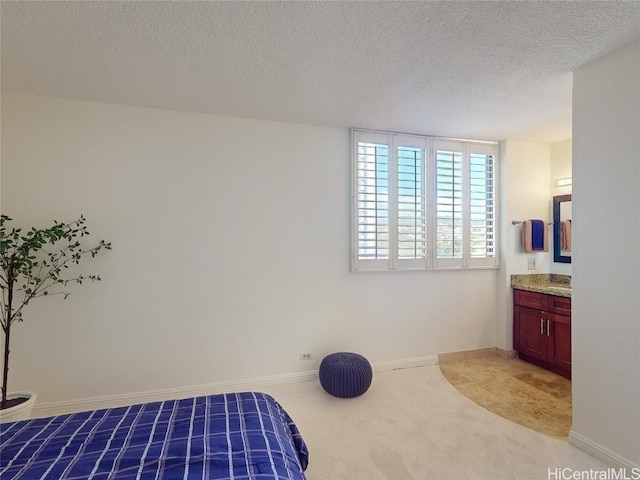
column 36, row 264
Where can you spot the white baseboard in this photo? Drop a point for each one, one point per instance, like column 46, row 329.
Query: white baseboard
column 59, row 408
column 600, row 452
column 407, row 363
column 72, row 406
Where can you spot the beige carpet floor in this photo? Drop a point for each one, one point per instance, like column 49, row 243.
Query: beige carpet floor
column 413, row 424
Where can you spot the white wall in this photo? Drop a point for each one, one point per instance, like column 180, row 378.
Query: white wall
column 230, row 254
column 525, row 195
column 606, row 295
column 561, row 167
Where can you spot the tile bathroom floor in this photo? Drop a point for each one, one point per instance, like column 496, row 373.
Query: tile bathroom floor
column 516, row 390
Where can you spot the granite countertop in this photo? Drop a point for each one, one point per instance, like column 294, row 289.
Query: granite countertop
column 549, row 283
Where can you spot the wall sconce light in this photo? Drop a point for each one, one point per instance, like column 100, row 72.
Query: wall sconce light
column 564, row 182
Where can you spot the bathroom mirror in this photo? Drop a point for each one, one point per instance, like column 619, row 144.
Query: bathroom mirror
column 562, row 219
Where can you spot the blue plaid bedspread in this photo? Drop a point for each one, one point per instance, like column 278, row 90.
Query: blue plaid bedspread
column 232, row 436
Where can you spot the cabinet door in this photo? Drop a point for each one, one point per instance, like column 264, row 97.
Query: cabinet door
column 560, row 342
column 529, row 334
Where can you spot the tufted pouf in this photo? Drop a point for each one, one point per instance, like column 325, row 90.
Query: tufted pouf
column 345, row 374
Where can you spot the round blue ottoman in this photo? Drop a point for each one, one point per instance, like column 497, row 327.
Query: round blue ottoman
column 345, row 374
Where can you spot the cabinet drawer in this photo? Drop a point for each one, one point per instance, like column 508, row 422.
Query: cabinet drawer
column 561, row 319
column 530, row 299
column 561, row 305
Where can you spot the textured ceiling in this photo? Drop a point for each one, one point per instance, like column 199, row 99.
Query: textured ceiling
column 488, row 70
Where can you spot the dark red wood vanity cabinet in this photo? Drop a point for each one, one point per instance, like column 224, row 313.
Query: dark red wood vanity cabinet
column 542, row 330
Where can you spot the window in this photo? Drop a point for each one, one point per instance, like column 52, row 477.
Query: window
column 423, row 202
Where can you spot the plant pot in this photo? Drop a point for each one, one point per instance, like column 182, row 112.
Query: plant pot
column 21, row 411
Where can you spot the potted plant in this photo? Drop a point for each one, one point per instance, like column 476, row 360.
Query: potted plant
column 36, row 264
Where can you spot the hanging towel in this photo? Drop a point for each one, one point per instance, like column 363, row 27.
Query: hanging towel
column 535, row 236
column 565, row 242
column 526, row 236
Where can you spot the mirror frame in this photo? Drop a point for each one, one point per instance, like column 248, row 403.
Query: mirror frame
column 557, row 253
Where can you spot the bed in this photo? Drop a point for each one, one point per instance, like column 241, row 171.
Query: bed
column 229, row 436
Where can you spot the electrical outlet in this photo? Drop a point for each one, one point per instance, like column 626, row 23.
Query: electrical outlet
column 531, row 262
column 306, row 356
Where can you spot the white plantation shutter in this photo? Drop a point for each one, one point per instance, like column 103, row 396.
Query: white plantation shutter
column 412, row 242
column 449, row 203
column 411, row 202
column 372, row 201
column 482, row 206
column 421, row 202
